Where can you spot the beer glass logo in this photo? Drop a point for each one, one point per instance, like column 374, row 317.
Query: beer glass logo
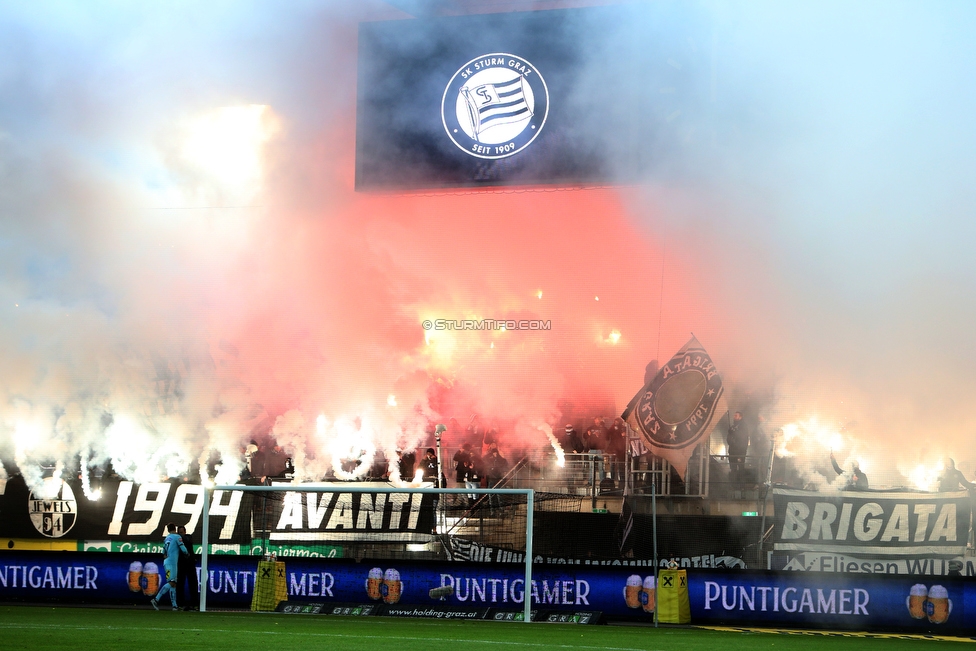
column 916, row 601
column 632, row 591
column 932, row 603
column 939, row 606
column 392, row 587
column 149, row 581
column 135, row 576
column 53, row 509
column 495, row 105
column 648, row 596
column 374, row 581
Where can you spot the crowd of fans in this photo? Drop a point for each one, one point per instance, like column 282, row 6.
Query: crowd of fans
column 479, row 462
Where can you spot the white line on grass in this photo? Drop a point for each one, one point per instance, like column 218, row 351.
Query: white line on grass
column 306, row 634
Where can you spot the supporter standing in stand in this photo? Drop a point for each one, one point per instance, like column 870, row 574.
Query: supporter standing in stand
column 429, row 465
column 857, row 481
column 617, row 447
column 738, row 445
column 277, row 462
column 761, row 450
column 491, row 438
column 460, row 458
column 495, row 465
column 572, row 441
column 495, row 468
column 472, row 479
column 952, row 479
column 405, row 464
column 596, row 436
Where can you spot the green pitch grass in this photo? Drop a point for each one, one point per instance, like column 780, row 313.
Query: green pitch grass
column 106, row 629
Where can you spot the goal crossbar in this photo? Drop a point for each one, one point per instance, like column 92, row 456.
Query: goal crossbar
column 529, row 516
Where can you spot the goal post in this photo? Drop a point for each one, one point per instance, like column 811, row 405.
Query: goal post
column 217, row 502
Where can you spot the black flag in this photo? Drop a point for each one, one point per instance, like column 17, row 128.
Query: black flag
column 625, row 525
column 675, row 410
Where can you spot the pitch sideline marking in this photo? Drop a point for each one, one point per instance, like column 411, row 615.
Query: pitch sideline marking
column 305, row 634
column 860, row 634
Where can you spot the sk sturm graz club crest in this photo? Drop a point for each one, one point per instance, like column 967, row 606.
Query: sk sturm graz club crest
column 55, row 510
column 495, row 106
column 675, row 410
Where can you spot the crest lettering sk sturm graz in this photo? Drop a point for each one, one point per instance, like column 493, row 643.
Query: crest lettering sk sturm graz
column 495, row 106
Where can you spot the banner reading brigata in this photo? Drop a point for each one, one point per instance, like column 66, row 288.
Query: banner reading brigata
column 872, row 523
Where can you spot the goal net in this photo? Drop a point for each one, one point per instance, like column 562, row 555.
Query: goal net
column 361, row 520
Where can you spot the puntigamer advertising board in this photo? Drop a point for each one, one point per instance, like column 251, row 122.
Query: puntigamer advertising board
column 852, row 602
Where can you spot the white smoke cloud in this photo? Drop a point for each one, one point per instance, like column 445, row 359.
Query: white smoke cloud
column 157, row 311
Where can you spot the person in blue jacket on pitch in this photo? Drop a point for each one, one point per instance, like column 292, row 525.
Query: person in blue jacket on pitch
column 172, row 548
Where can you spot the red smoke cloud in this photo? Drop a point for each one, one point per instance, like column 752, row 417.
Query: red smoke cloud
column 324, row 311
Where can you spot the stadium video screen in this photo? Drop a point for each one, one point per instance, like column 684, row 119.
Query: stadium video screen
column 580, row 96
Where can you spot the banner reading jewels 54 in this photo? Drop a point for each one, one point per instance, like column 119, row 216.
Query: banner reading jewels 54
column 872, row 523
